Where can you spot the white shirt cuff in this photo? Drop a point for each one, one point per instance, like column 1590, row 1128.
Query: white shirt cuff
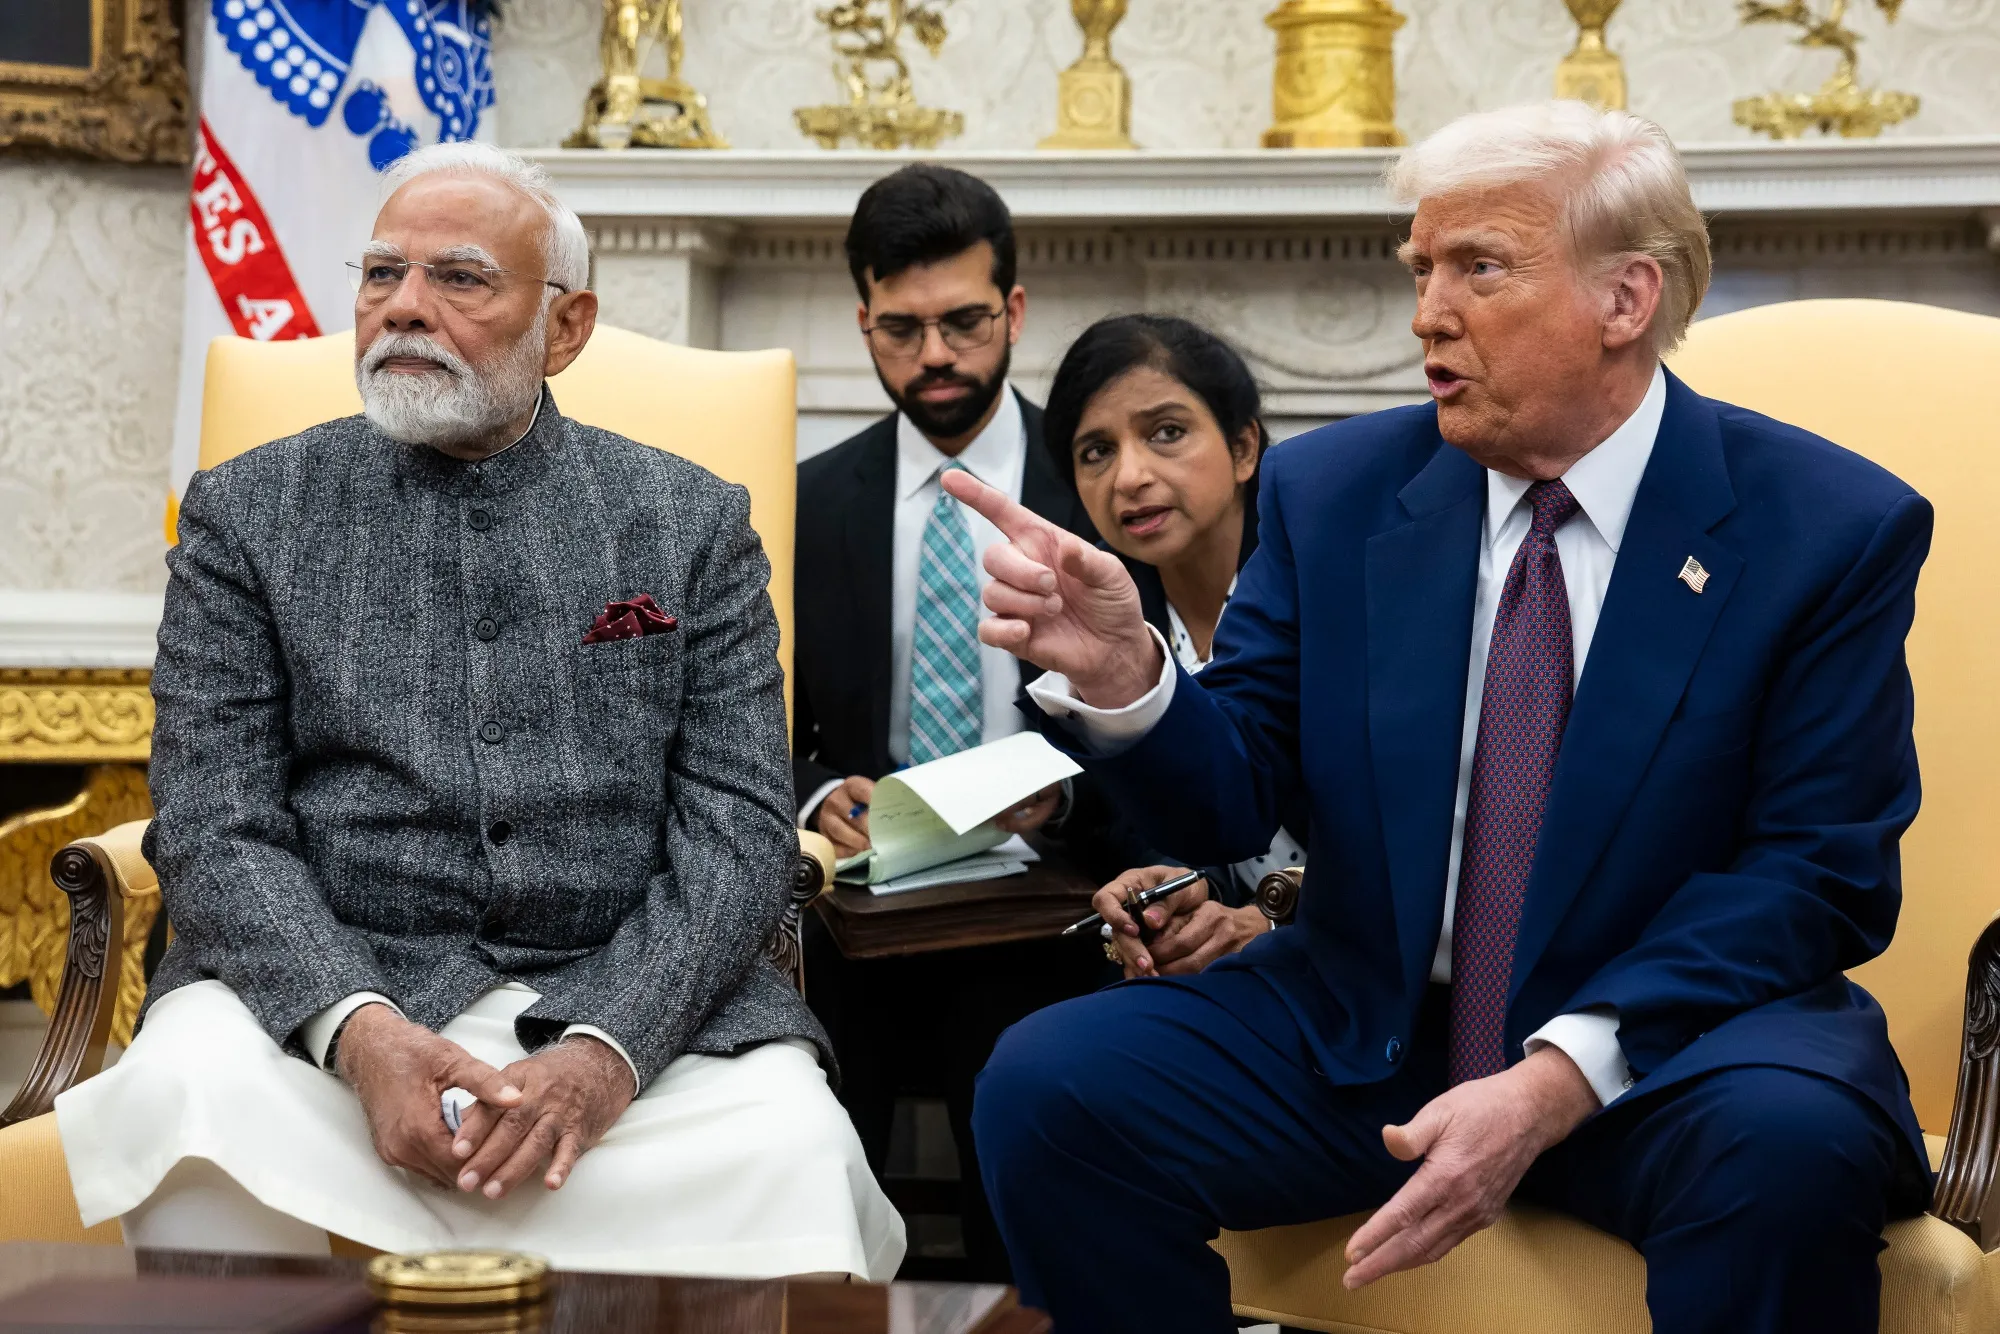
column 592, row 1031
column 1589, row 1038
column 1108, row 731
column 811, row 809
column 317, row 1032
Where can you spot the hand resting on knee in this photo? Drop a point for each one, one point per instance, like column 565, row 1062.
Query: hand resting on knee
column 571, row 1093
column 399, row 1070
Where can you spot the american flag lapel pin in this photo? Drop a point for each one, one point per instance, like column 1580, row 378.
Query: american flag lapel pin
column 1693, row 574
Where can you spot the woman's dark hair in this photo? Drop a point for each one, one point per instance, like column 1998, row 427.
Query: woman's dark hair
column 925, row 213
column 1173, row 346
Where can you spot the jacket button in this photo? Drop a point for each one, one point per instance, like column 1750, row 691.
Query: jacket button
column 487, row 627
column 1394, row 1051
column 481, row 520
column 500, row 832
column 490, row 732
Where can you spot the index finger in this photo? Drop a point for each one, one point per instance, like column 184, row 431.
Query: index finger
column 1009, row 516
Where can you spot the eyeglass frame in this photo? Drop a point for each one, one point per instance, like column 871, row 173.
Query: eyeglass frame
column 359, row 270
column 923, row 328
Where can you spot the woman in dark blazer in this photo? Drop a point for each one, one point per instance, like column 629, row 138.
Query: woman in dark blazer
column 1157, row 423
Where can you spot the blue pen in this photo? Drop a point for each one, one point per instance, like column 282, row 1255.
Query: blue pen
column 857, row 812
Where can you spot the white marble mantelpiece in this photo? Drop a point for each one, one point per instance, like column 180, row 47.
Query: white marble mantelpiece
column 1290, row 254
column 1739, row 179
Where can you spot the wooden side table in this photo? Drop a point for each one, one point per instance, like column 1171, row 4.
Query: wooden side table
column 1054, row 893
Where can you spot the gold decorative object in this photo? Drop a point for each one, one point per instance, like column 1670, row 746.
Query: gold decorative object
column 627, row 107
column 1094, row 96
column 459, row 1278
column 1592, row 71
column 34, row 914
column 67, row 715
column 1335, row 81
column 880, row 114
column 1841, row 104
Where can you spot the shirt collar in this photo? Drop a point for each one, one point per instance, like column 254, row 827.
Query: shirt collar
column 1605, row 481
column 994, row 455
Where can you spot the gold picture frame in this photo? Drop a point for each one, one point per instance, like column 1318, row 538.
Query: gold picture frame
column 127, row 103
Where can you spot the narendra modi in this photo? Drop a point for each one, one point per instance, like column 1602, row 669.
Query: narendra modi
column 471, row 775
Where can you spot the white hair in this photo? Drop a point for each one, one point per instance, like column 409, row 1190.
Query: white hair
column 1619, row 179
column 565, row 245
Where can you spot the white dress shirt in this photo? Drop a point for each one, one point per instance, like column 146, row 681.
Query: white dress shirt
column 997, row 456
column 1604, row 482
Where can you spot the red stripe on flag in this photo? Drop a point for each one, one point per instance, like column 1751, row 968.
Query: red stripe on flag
column 241, row 251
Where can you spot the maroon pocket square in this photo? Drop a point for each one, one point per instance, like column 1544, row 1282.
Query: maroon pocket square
column 631, row 619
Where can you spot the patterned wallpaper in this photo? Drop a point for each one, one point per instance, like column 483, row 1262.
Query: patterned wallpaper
column 91, row 265
column 90, row 299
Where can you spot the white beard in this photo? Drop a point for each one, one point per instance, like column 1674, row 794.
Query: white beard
column 455, row 404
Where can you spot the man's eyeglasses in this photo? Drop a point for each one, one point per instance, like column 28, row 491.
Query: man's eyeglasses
column 465, row 284
column 899, row 337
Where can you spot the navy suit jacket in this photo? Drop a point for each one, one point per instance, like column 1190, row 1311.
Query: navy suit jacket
column 1721, row 836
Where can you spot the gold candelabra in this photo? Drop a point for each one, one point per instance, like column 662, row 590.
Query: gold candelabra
column 1592, row 71
column 880, row 113
column 626, row 106
column 1335, row 81
column 1841, row 104
column 1094, row 96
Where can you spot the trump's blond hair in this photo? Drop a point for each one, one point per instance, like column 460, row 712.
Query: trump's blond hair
column 1618, row 178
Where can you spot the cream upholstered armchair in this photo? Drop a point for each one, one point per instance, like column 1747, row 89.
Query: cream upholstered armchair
column 1888, row 380
column 731, row 412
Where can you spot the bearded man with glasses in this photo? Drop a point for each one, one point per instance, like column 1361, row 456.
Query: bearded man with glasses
column 473, row 817
column 888, row 668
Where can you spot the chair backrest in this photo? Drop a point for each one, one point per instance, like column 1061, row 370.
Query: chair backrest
column 1890, row 381
column 734, row 413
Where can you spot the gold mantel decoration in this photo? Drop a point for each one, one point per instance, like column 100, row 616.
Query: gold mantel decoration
column 1841, row 105
column 1592, row 71
column 1335, row 81
column 121, row 94
column 628, row 107
column 880, row 114
column 1094, row 96
column 68, row 715
column 34, row 914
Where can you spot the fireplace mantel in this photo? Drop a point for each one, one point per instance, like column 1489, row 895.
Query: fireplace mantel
column 1738, row 179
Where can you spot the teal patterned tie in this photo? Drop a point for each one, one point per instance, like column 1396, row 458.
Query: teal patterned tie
column 947, row 698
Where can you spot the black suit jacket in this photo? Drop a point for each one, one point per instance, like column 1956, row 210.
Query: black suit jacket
column 846, row 539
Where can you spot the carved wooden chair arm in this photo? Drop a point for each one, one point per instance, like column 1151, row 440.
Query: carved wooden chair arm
column 98, row 874
column 812, row 876
column 1968, row 1186
column 1278, row 894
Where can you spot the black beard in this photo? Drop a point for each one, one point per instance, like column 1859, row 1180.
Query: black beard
column 951, row 420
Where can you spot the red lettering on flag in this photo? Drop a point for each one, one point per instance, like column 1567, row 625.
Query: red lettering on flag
column 236, row 243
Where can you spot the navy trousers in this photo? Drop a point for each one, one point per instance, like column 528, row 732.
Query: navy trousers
column 1117, row 1132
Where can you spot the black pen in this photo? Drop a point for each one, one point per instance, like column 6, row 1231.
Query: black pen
column 1139, row 902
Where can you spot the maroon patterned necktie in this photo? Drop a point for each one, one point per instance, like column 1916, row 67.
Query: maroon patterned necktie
column 1523, row 707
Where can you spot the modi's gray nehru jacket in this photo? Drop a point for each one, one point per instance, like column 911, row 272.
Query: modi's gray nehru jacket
column 385, row 760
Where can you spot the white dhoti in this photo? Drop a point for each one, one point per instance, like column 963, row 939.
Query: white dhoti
column 741, row 1166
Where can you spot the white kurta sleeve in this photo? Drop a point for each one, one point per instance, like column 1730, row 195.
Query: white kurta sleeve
column 316, row 1034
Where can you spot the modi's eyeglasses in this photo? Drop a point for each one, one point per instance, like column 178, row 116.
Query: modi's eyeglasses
column 466, row 284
